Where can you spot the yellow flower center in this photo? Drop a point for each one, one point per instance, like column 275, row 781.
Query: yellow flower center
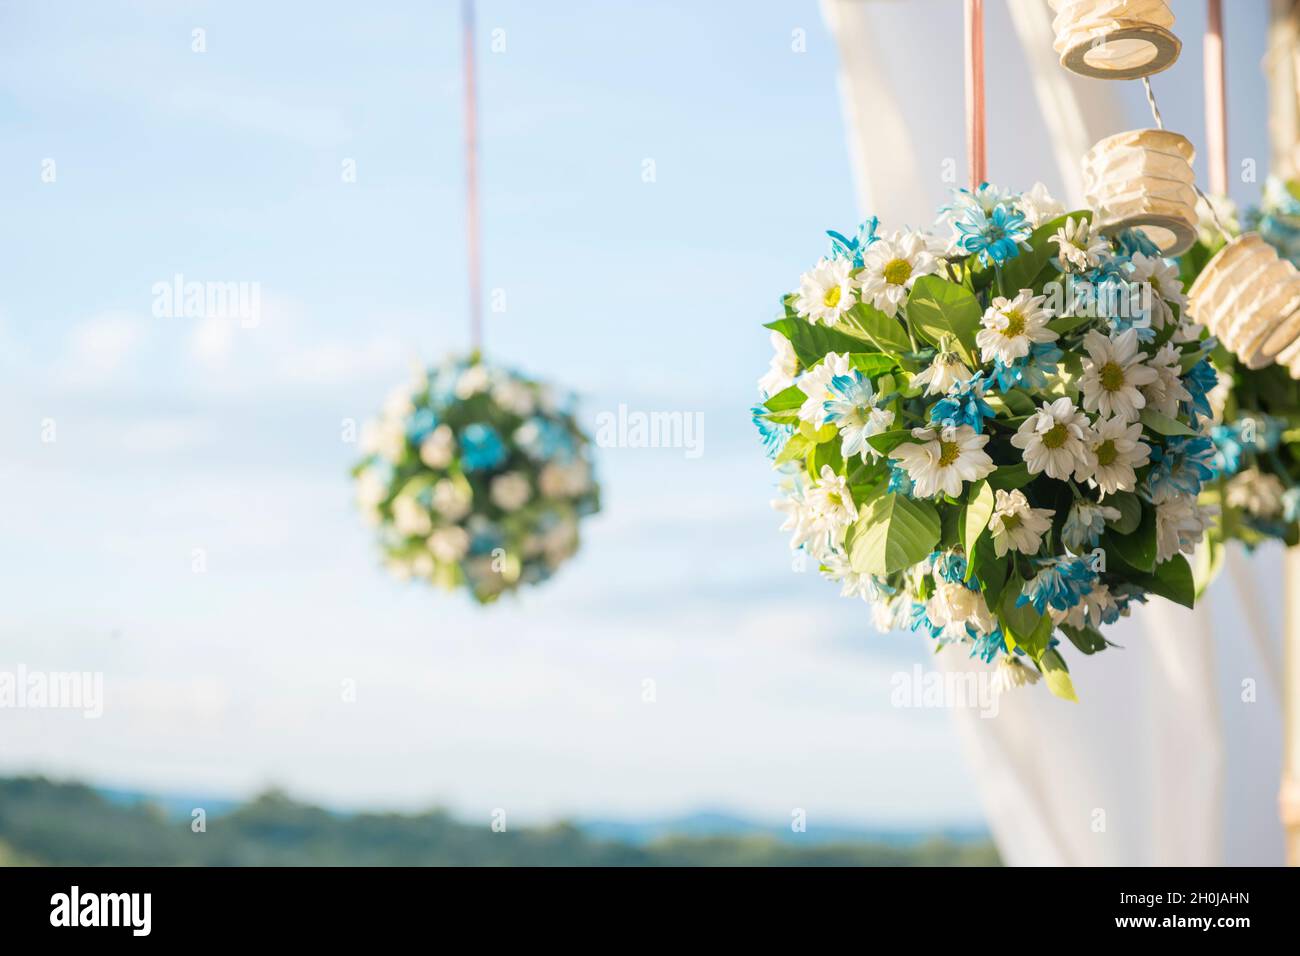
column 1112, row 376
column 1015, row 323
column 949, row 452
column 1106, row 452
column 897, row 271
column 832, row 297
column 1011, row 522
column 1055, row 436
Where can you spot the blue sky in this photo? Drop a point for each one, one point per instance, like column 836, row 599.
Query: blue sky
column 175, row 434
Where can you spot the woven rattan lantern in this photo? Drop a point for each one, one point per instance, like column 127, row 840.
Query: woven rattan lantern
column 1143, row 179
column 1115, row 39
column 1249, row 298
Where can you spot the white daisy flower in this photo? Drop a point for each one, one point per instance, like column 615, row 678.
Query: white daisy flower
column 473, row 380
column 942, row 459
column 1256, row 492
column 372, row 489
column 1115, row 451
column 816, row 384
column 832, row 505
column 1079, row 248
column 1011, row 326
column 890, row 267
column 449, row 544
column 1038, row 205
column 1165, row 281
column 953, row 605
column 1167, row 391
column 1180, row 525
column 945, row 371
column 1113, row 375
column 565, row 480
column 1011, row 674
column 385, row 437
column 451, row 500
column 783, row 368
column 411, row 518
column 1052, row 439
column 1085, row 523
column 1015, row 525
column 510, row 491
column 826, row 292
column 438, row 447
column 1091, row 611
column 516, row 397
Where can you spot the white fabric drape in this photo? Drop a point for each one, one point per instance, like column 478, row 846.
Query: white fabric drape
column 1172, row 756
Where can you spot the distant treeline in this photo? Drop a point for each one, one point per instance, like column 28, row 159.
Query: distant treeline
column 43, row 822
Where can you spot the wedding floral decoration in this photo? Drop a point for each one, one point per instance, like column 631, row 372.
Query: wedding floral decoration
column 476, row 476
column 996, row 438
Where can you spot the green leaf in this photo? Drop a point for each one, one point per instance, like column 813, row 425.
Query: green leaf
column 872, row 364
column 1137, row 548
column 1130, row 510
column 796, row 447
column 885, row 333
column 991, row 570
column 1029, row 629
column 1163, row 424
column 1068, row 323
column 1020, row 272
column 783, row 401
column 895, row 533
column 1058, row 676
column 812, row 343
column 937, row 307
column 1086, row 639
column 1008, row 477
column 1014, row 402
column 885, row 442
column 1174, row 580
column 976, row 515
column 826, row 453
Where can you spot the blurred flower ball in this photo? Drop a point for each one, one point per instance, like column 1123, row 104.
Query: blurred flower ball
column 477, row 477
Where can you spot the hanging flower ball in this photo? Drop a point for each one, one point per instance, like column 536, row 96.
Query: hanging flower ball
column 1143, row 179
column 1115, row 39
column 477, row 477
column 998, row 438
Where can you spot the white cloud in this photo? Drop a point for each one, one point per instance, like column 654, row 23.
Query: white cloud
column 98, row 349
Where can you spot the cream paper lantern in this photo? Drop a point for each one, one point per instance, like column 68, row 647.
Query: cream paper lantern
column 1115, row 39
column 1249, row 298
column 1143, row 179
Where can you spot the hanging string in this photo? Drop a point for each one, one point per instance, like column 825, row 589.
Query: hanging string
column 976, row 157
column 471, row 184
column 1160, row 124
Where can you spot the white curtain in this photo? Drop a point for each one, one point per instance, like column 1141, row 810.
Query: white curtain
column 1172, row 756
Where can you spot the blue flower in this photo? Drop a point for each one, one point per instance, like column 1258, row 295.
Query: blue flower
column 544, row 439
column 995, row 237
column 987, row 646
column 951, row 567
column 1133, row 241
column 420, row 424
column 1030, row 372
column 963, row 405
column 899, row 481
column 1085, row 523
column 772, row 434
column 1199, row 381
column 852, row 249
column 1291, row 504
column 852, row 410
column 919, row 620
column 1183, row 466
column 1060, row 585
column 1228, row 449
column 481, row 447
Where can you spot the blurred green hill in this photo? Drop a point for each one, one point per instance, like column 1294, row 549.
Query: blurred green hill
column 43, row 822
